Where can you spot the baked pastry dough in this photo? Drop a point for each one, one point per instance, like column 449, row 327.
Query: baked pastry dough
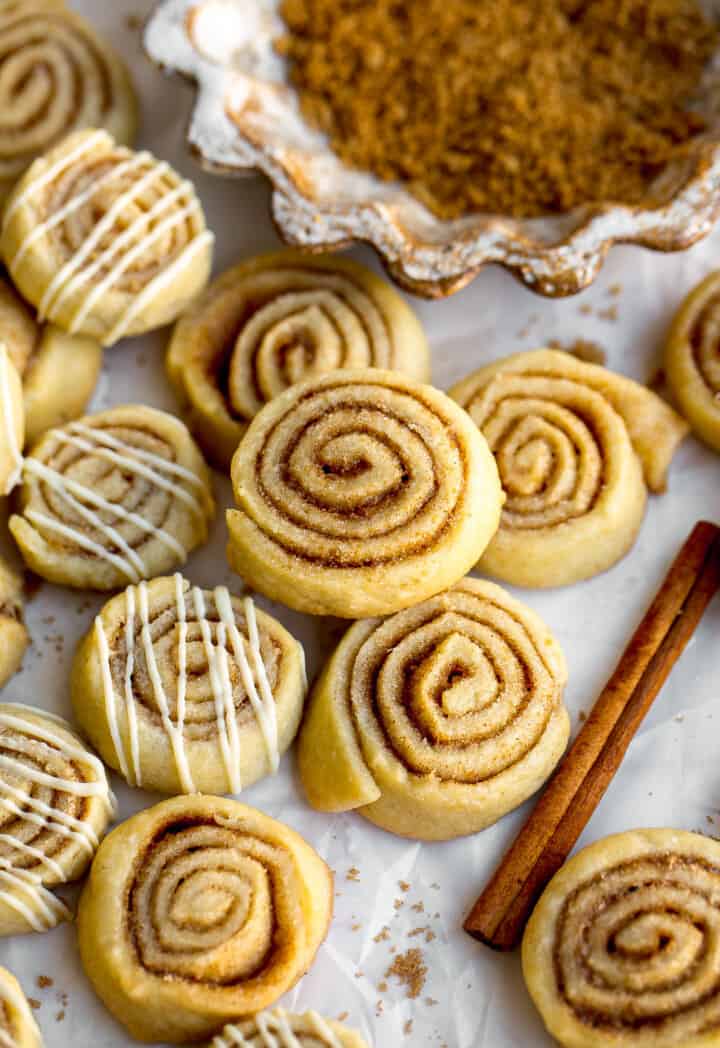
column 55, row 805
column 360, row 493
column 58, row 371
column 18, row 1028
column 281, row 1029
column 103, row 241
column 692, row 359
column 56, row 77
column 184, row 690
column 622, row 949
column 14, row 637
column 276, row 320
column 438, row 720
column 12, row 423
column 576, row 446
column 198, row 911
column 111, row 499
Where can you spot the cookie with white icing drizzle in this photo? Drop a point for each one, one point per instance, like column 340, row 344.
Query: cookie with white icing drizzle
column 56, row 76
column 18, row 1028
column 55, row 805
column 184, row 690
column 112, row 499
column 104, row 241
column 12, row 423
column 14, row 637
column 281, row 1029
column 58, row 371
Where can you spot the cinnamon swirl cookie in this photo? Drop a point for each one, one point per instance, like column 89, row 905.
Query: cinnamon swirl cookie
column 14, row 637
column 55, row 805
column 103, row 241
column 185, row 690
column 111, row 499
column 55, row 77
column 360, row 493
column 281, row 1029
column 276, row 320
column 12, row 423
column 198, row 911
column 438, row 720
column 692, row 360
column 577, row 447
column 58, row 371
column 622, row 950
column 18, row 1028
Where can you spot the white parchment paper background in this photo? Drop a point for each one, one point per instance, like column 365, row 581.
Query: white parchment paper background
column 472, row 998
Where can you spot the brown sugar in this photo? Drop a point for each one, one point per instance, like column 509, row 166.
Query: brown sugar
column 521, row 107
column 410, row 970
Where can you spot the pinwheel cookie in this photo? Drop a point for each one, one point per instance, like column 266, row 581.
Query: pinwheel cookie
column 438, row 720
column 184, row 690
column 276, row 320
column 360, row 493
column 56, row 77
column 622, row 949
column 12, row 423
column 18, row 1028
column 577, row 447
column 281, row 1029
column 14, row 637
column 58, row 371
column 55, row 805
column 103, row 241
column 198, row 911
column 111, row 499
column 692, row 360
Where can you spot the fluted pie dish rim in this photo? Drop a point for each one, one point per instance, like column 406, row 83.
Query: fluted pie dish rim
column 321, row 205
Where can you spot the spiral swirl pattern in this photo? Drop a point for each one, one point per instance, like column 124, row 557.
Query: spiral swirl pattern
column 18, row 1028
column 280, row 319
column 623, row 946
column 182, row 689
column 103, row 241
column 438, row 719
column 692, row 360
column 199, row 910
column 116, row 497
column 374, row 490
column 281, row 1029
column 55, row 78
column 575, row 446
column 55, row 804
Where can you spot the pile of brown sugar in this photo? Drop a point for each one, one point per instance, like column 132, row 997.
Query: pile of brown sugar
column 521, row 107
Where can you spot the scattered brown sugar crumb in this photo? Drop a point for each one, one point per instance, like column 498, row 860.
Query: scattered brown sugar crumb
column 398, row 904
column 582, row 716
column 410, row 970
column 134, row 22
column 353, row 874
column 615, row 290
column 460, row 100
column 611, row 313
column 34, row 1003
column 59, row 1017
column 418, row 907
column 426, row 931
column 586, row 309
column 383, row 935
column 342, row 1017
column 407, row 1028
column 403, row 886
column 44, row 981
column 379, row 1008
column 382, row 987
column 430, row 1002
column 582, row 348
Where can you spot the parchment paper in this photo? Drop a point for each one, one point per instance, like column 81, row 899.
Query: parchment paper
column 471, row 998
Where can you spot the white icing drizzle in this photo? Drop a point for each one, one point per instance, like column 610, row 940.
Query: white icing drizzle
column 276, row 1031
column 8, row 415
column 36, row 904
column 218, row 667
column 96, row 138
column 154, row 468
column 81, row 268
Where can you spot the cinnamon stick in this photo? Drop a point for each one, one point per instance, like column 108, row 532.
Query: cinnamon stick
column 545, row 841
